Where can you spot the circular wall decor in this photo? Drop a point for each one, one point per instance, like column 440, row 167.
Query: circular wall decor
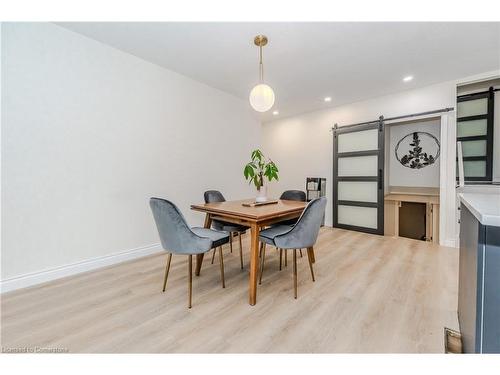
column 417, row 150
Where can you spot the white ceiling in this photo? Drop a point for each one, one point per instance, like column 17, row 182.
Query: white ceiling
column 304, row 62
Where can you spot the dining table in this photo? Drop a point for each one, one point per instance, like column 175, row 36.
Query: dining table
column 255, row 217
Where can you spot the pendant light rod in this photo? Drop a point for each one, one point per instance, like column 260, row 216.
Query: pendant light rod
column 261, row 65
column 260, row 41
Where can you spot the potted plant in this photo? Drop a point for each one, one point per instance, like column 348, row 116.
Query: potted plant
column 257, row 169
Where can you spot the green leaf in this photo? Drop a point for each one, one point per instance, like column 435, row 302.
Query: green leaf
column 257, row 155
column 256, row 181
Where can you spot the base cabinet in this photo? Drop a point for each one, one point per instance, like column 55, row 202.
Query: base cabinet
column 393, row 209
column 479, row 285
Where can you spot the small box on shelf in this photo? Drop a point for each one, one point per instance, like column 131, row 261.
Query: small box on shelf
column 315, row 188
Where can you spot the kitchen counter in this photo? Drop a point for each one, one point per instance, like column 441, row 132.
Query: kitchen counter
column 485, row 207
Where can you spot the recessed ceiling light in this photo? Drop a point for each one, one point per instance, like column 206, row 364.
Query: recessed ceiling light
column 407, row 78
column 276, row 113
column 328, row 99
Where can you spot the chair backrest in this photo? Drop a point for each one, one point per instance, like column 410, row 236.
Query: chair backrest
column 175, row 234
column 294, row 195
column 305, row 232
column 212, row 196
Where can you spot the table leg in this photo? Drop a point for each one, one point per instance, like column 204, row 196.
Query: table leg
column 199, row 257
column 254, row 264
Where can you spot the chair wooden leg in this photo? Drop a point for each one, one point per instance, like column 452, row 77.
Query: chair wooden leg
column 309, row 258
column 213, row 255
column 300, row 253
column 262, row 260
column 241, row 251
column 231, row 241
column 221, row 261
column 281, row 256
column 286, row 257
column 190, row 281
column 313, row 257
column 295, row 272
column 167, row 268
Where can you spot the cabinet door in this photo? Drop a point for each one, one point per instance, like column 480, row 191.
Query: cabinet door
column 469, row 290
column 491, row 301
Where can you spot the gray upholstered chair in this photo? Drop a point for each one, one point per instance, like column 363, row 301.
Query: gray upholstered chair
column 302, row 235
column 294, row 195
column 291, row 195
column 212, row 196
column 178, row 238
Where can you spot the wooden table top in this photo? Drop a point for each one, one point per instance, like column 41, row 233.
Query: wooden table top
column 236, row 209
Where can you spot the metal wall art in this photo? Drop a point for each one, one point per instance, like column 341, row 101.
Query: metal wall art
column 417, row 150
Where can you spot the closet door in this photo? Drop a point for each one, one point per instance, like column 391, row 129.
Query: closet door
column 475, row 131
column 358, row 177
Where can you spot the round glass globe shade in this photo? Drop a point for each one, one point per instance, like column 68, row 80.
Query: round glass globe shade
column 262, row 97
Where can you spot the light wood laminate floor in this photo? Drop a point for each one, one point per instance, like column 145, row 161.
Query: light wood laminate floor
column 372, row 294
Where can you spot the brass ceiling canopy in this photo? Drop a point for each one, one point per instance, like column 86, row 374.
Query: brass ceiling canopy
column 260, row 40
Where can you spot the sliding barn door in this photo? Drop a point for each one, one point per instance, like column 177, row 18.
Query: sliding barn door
column 358, row 177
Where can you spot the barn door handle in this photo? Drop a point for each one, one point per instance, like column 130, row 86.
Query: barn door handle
column 380, row 178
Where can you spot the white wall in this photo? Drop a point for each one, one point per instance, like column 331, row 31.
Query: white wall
column 400, row 175
column 302, row 145
column 89, row 133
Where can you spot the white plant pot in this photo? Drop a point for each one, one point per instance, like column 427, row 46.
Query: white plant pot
column 261, row 194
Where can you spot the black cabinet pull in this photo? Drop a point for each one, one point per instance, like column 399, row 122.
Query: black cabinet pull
column 380, row 178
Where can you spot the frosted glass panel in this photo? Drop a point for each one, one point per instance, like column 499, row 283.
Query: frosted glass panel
column 473, row 148
column 358, row 216
column 358, row 166
column 471, row 128
column 365, row 191
column 473, row 107
column 358, row 141
column 475, row 168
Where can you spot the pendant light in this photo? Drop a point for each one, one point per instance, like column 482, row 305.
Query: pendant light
column 262, row 96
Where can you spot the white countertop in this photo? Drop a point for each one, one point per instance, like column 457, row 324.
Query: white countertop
column 485, row 207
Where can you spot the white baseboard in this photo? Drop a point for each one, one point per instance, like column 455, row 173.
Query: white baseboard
column 449, row 243
column 34, row 278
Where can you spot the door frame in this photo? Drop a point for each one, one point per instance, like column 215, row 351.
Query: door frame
column 380, row 152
